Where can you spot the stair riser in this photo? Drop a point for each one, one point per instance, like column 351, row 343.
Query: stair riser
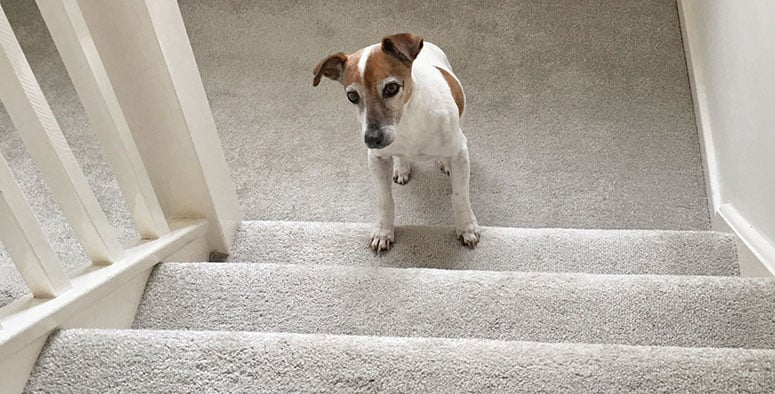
column 501, row 249
column 635, row 310
column 110, row 361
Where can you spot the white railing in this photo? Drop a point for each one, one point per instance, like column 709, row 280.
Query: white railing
column 134, row 71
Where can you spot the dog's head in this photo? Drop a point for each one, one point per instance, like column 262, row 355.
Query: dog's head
column 378, row 79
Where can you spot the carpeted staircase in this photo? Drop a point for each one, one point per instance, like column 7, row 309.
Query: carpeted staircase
column 602, row 277
column 306, row 306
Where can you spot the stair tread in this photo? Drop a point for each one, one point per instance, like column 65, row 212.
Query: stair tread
column 88, row 360
column 547, row 307
column 501, row 249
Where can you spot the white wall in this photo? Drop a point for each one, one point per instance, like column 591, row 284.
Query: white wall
column 731, row 54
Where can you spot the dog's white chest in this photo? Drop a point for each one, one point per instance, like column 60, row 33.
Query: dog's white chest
column 430, row 126
column 421, row 136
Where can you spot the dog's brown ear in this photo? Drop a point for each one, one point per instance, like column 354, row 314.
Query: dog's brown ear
column 332, row 67
column 404, row 47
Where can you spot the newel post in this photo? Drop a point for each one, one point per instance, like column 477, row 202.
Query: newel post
column 148, row 57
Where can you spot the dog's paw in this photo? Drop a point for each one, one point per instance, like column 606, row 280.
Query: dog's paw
column 469, row 235
column 401, row 174
column 401, row 179
column 381, row 240
column 443, row 166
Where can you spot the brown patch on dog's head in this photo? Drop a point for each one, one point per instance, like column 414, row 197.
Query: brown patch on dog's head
column 391, row 64
column 331, row 67
column 380, row 85
column 402, row 48
column 405, row 47
column 339, row 67
column 351, row 73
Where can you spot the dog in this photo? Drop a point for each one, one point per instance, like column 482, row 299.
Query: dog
column 410, row 104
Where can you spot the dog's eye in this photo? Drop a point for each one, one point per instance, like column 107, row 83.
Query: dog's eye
column 353, row 97
column 390, row 90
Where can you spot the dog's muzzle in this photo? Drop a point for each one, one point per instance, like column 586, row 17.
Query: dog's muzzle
column 376, row 138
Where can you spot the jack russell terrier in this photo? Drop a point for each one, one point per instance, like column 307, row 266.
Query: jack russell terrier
column 409, row 104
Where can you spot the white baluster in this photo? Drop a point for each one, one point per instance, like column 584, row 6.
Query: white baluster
column 29, row 111
column 76, row 47
column 145, row 49
column 25, row 242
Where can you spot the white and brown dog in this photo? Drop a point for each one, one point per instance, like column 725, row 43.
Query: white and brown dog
column 409, row 104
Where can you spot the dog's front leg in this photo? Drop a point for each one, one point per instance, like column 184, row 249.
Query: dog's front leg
column 381, row 170
column 465, row 222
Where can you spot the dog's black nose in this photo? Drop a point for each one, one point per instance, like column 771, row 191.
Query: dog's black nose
column 374, row 137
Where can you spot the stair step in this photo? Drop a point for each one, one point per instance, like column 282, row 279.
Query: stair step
column 501, row 249
column 625, row 309
column 79, row 360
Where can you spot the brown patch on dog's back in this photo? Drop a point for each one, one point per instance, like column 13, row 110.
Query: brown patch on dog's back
column 455, row 88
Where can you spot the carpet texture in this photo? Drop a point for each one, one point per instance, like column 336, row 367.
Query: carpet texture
column 579, row 114
column 586, row 166
column 501, row 249
column 624, row 309
column 96, row 361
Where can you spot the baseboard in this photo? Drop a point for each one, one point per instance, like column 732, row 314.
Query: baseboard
column 702, row 118
column 756, row 253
